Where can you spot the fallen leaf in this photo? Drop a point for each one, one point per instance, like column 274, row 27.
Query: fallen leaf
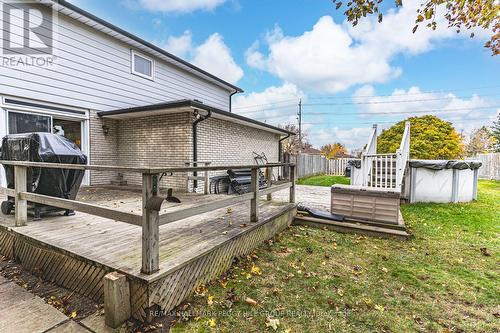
column 243, row 225
column 256, row 270
column 273, row 323
column 379, row 308
column 72, row 314
column 210, row 300
column 212, row 323
column 485, row 252
column 250, row 301
column 384, row 270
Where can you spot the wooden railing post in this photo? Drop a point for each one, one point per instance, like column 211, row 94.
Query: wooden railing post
column 20, row 185
column 187, row 177
column 269, row 182
column 254, row 202
column 292, row 188
column 150, row 226
column 206, row 179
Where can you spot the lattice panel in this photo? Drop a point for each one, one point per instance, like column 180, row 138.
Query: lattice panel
column 6, row 243
column 74, row 274
column 171, row 290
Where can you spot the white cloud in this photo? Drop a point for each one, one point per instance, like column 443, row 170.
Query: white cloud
column 180, row 6
column 332, row 57
column 274, row 105
column 213, row 55
column 352, row 138
column 181, row 45
column 465, row 113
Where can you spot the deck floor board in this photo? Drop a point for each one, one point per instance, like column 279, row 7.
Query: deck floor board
column 117, row 245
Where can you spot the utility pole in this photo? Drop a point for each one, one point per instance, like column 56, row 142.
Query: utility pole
column 300, row 125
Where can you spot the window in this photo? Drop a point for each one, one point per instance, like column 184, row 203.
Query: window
column 27, row 123
column 142, row 66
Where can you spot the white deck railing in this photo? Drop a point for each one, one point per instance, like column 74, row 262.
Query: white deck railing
column 385, row 170
column 403, row 155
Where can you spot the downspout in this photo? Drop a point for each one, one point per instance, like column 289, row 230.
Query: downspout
column 199, row 119
column 280, row 150
column 231, row 100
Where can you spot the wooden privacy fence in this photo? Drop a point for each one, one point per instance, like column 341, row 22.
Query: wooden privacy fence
column 309, row 165
column 150, row 219
column 491, row 165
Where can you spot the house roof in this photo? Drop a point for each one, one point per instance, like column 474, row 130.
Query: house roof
column 187, row 105
column 99, row 24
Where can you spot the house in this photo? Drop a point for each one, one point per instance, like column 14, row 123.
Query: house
column 310, row 151
column 123, row 100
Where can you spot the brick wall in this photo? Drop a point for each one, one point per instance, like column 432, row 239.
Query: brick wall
column 224, row 142
column 166, row 140
column 155, row 141
column 103, row 148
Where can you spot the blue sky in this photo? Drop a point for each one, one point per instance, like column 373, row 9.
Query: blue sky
column 348, row 78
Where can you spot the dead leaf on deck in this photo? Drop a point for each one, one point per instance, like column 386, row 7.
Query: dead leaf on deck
column 243, row 225
column 229, row 210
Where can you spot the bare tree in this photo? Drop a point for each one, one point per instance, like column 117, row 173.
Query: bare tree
column 292, row 144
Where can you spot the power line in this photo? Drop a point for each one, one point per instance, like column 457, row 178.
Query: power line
column 366, row 96
column 410, row 94
column 456, row 120
column 394, row 113
column 360, row 103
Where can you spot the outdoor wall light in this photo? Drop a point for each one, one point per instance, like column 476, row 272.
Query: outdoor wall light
column 105, row 129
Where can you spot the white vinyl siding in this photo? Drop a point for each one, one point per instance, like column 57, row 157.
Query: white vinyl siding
column 92, row 71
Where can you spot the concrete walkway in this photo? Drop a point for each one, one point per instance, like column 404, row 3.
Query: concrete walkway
column 317, row 197
column 23, row 312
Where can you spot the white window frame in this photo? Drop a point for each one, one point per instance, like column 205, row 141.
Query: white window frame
column 134, row 53
column 8, row 111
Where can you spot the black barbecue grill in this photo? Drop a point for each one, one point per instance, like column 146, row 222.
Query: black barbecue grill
column 49, row 148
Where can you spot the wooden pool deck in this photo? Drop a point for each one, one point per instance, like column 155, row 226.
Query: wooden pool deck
column 76, row 252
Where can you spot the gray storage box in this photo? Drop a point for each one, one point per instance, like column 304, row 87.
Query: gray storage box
column 365, row 203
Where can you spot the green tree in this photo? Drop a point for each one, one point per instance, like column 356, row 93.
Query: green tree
column 459, row 14
column 430, row 138
column 495, row 132
column 332, row 150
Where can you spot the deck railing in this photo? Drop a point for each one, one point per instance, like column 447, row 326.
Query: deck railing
column 385, row 170
column 150, row 220
column 403, row 155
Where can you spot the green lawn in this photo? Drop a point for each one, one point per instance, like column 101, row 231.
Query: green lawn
column 324, row 180
column 310, row 280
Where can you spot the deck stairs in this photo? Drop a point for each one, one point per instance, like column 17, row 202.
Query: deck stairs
column 371, row 207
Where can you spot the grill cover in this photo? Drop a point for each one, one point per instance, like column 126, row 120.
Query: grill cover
column 50, row 148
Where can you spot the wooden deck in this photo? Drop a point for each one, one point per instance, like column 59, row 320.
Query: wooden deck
column 78, row 251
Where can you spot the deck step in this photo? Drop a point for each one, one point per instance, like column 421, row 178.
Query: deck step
column 361, row 228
